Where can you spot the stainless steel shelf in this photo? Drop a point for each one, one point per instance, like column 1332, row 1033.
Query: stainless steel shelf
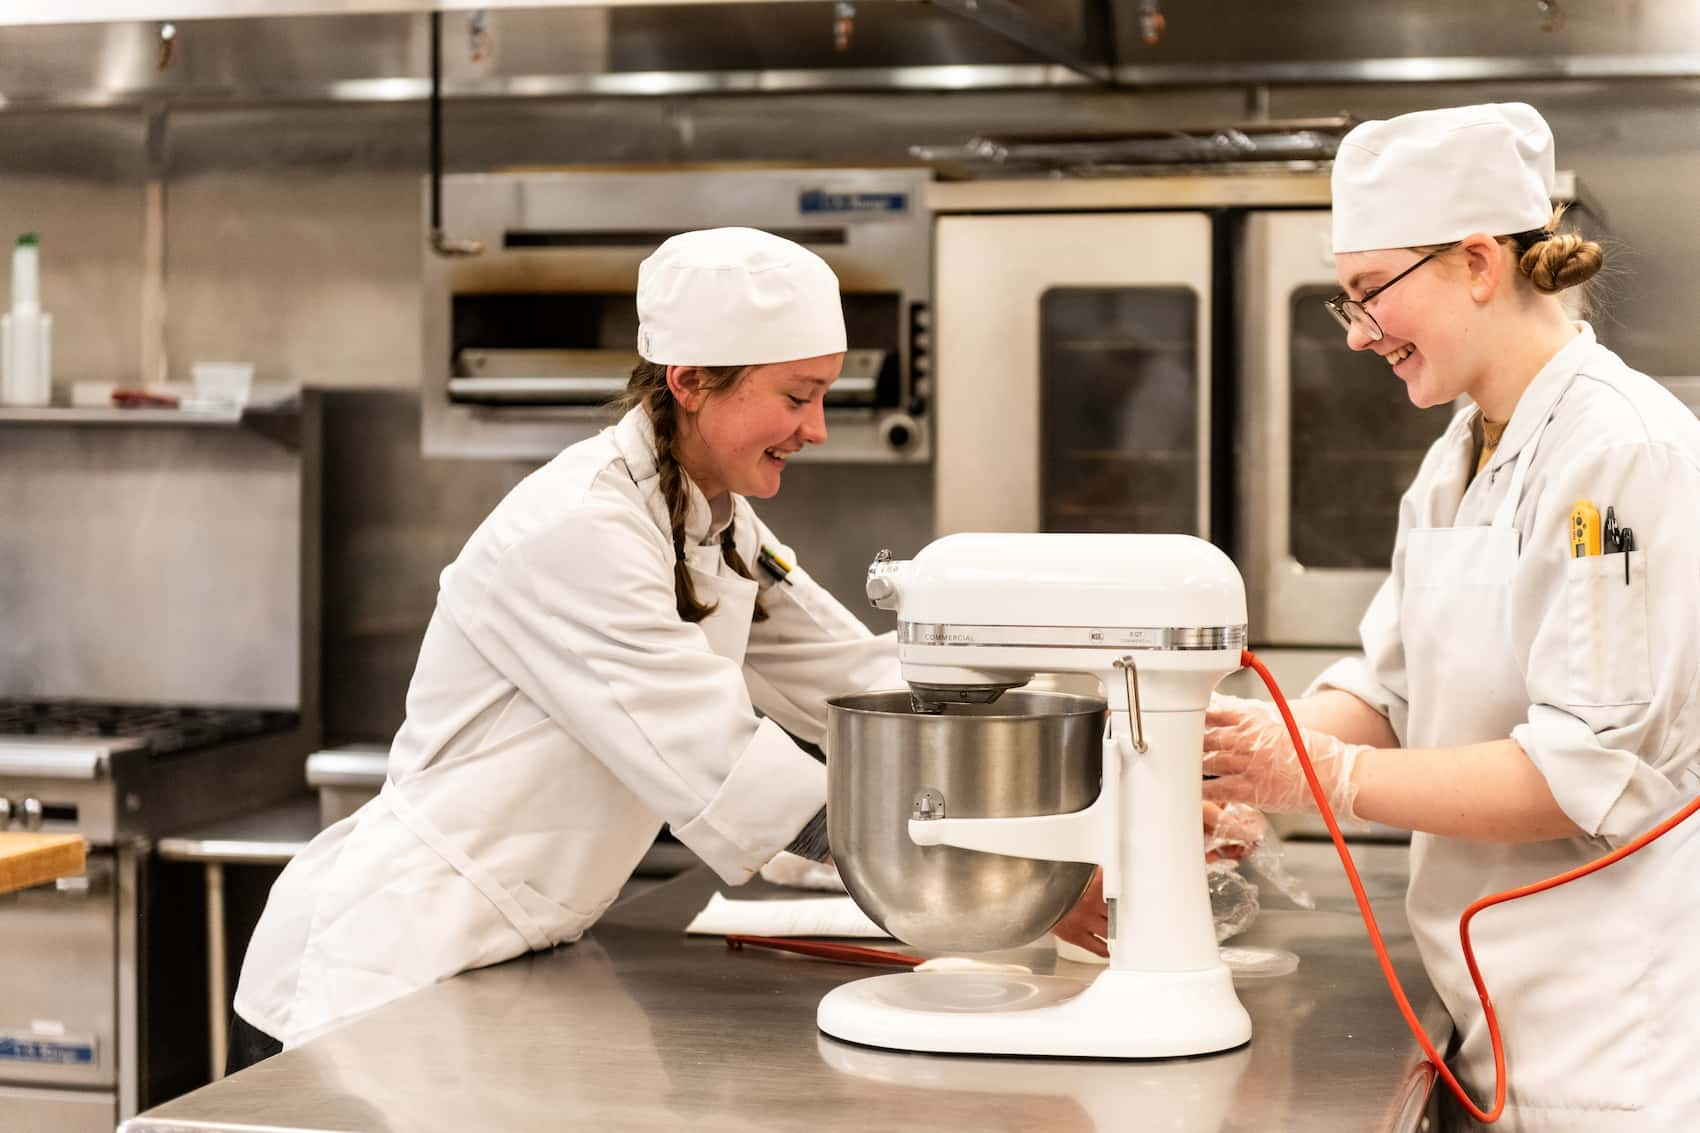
column 69, row 415
column 224, row 418
column 277, row 420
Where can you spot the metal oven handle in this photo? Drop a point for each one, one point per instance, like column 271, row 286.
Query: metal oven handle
column 38, row 761
column 525, row 391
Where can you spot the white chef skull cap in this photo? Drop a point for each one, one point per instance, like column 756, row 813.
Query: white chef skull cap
column 736, row 297
column 1438, row 175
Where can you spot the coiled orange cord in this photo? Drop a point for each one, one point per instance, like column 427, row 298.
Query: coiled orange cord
column 1249, row 660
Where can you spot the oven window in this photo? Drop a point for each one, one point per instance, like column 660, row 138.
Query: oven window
column 1357, row 442
column 1118, row 409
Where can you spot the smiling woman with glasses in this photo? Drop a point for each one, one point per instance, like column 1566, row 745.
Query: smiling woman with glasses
column 1524, row 701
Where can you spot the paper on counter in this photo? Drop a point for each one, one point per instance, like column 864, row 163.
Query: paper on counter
column 796, row 916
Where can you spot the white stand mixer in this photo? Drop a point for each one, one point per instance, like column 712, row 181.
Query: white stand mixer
column 1159, row 620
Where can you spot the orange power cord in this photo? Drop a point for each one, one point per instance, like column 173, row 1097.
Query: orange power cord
column 1249, row 660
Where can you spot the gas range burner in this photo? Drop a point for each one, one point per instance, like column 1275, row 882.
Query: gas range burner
column 163, row 728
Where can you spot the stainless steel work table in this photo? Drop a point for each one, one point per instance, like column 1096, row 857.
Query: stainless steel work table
column 266, row 837
column 638, row 1027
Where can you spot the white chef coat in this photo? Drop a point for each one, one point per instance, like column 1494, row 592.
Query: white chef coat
column 561, row 711
column 1597, row 984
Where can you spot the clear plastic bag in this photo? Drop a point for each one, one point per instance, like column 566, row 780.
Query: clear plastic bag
column 1233, row 899
column 1241, row 838
column 1240, row 835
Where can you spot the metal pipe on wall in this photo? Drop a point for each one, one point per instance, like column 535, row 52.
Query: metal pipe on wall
column 440, row 243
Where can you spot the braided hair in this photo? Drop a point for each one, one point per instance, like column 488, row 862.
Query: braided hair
column 648, row 388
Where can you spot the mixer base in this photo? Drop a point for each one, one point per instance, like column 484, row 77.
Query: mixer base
column 1121, row 1014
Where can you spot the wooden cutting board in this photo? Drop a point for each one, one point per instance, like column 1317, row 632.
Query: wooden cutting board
column 35, row 859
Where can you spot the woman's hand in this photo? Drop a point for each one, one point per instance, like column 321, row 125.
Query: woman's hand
column 1249, row 751
column 1088, row 923
column 1231, row 832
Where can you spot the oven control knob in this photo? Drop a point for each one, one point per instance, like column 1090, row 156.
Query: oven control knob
column 32, row 814
column 899, row 431
column 6, row 809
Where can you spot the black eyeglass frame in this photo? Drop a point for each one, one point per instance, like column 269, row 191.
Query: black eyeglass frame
column 1341, row 305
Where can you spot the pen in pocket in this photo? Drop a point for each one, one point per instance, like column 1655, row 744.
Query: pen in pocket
column 1619, row 540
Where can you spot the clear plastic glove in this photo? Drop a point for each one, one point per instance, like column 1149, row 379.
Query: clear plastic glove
column 1248, row 750
column 1232, row 832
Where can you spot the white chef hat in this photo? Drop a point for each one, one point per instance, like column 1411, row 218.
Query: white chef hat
column 1438, row 175
column 736, row 297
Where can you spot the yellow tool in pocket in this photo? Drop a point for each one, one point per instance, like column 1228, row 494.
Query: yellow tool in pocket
column 1584, row 529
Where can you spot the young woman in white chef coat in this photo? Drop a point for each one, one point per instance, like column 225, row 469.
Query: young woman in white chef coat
column 1521, row 709
column 594, row 667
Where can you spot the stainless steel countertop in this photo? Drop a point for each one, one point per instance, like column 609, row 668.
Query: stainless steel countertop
column 264, row 837
column 638, row 1027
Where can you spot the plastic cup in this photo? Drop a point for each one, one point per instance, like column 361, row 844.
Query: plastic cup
column 223, row 383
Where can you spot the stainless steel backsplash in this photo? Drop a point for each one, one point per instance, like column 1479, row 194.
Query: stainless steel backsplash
column 161, row 564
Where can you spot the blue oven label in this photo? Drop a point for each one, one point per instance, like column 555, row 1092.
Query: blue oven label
column 821, row 202
column 59, row 1050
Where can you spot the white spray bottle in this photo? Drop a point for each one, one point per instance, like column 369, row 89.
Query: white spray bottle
column 26, row 332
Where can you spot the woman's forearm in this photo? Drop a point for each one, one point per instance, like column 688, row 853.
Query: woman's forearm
column 1344, row 715
column 1488, row 792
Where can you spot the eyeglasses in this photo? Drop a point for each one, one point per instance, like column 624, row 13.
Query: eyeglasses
column 1350, row 313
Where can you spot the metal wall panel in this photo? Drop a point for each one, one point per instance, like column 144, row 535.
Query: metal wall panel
column 76, row 180
column 151, row 565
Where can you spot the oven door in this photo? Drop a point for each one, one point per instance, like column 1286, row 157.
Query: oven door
column 58, row 995
column 1328, row 443
column 56, row 1111
column 1073, row 354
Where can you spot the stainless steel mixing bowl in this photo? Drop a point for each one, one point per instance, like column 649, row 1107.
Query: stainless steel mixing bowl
column 1026, row 753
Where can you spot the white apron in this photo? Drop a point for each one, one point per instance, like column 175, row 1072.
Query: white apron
column 1569, row 970
column 733, row 599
